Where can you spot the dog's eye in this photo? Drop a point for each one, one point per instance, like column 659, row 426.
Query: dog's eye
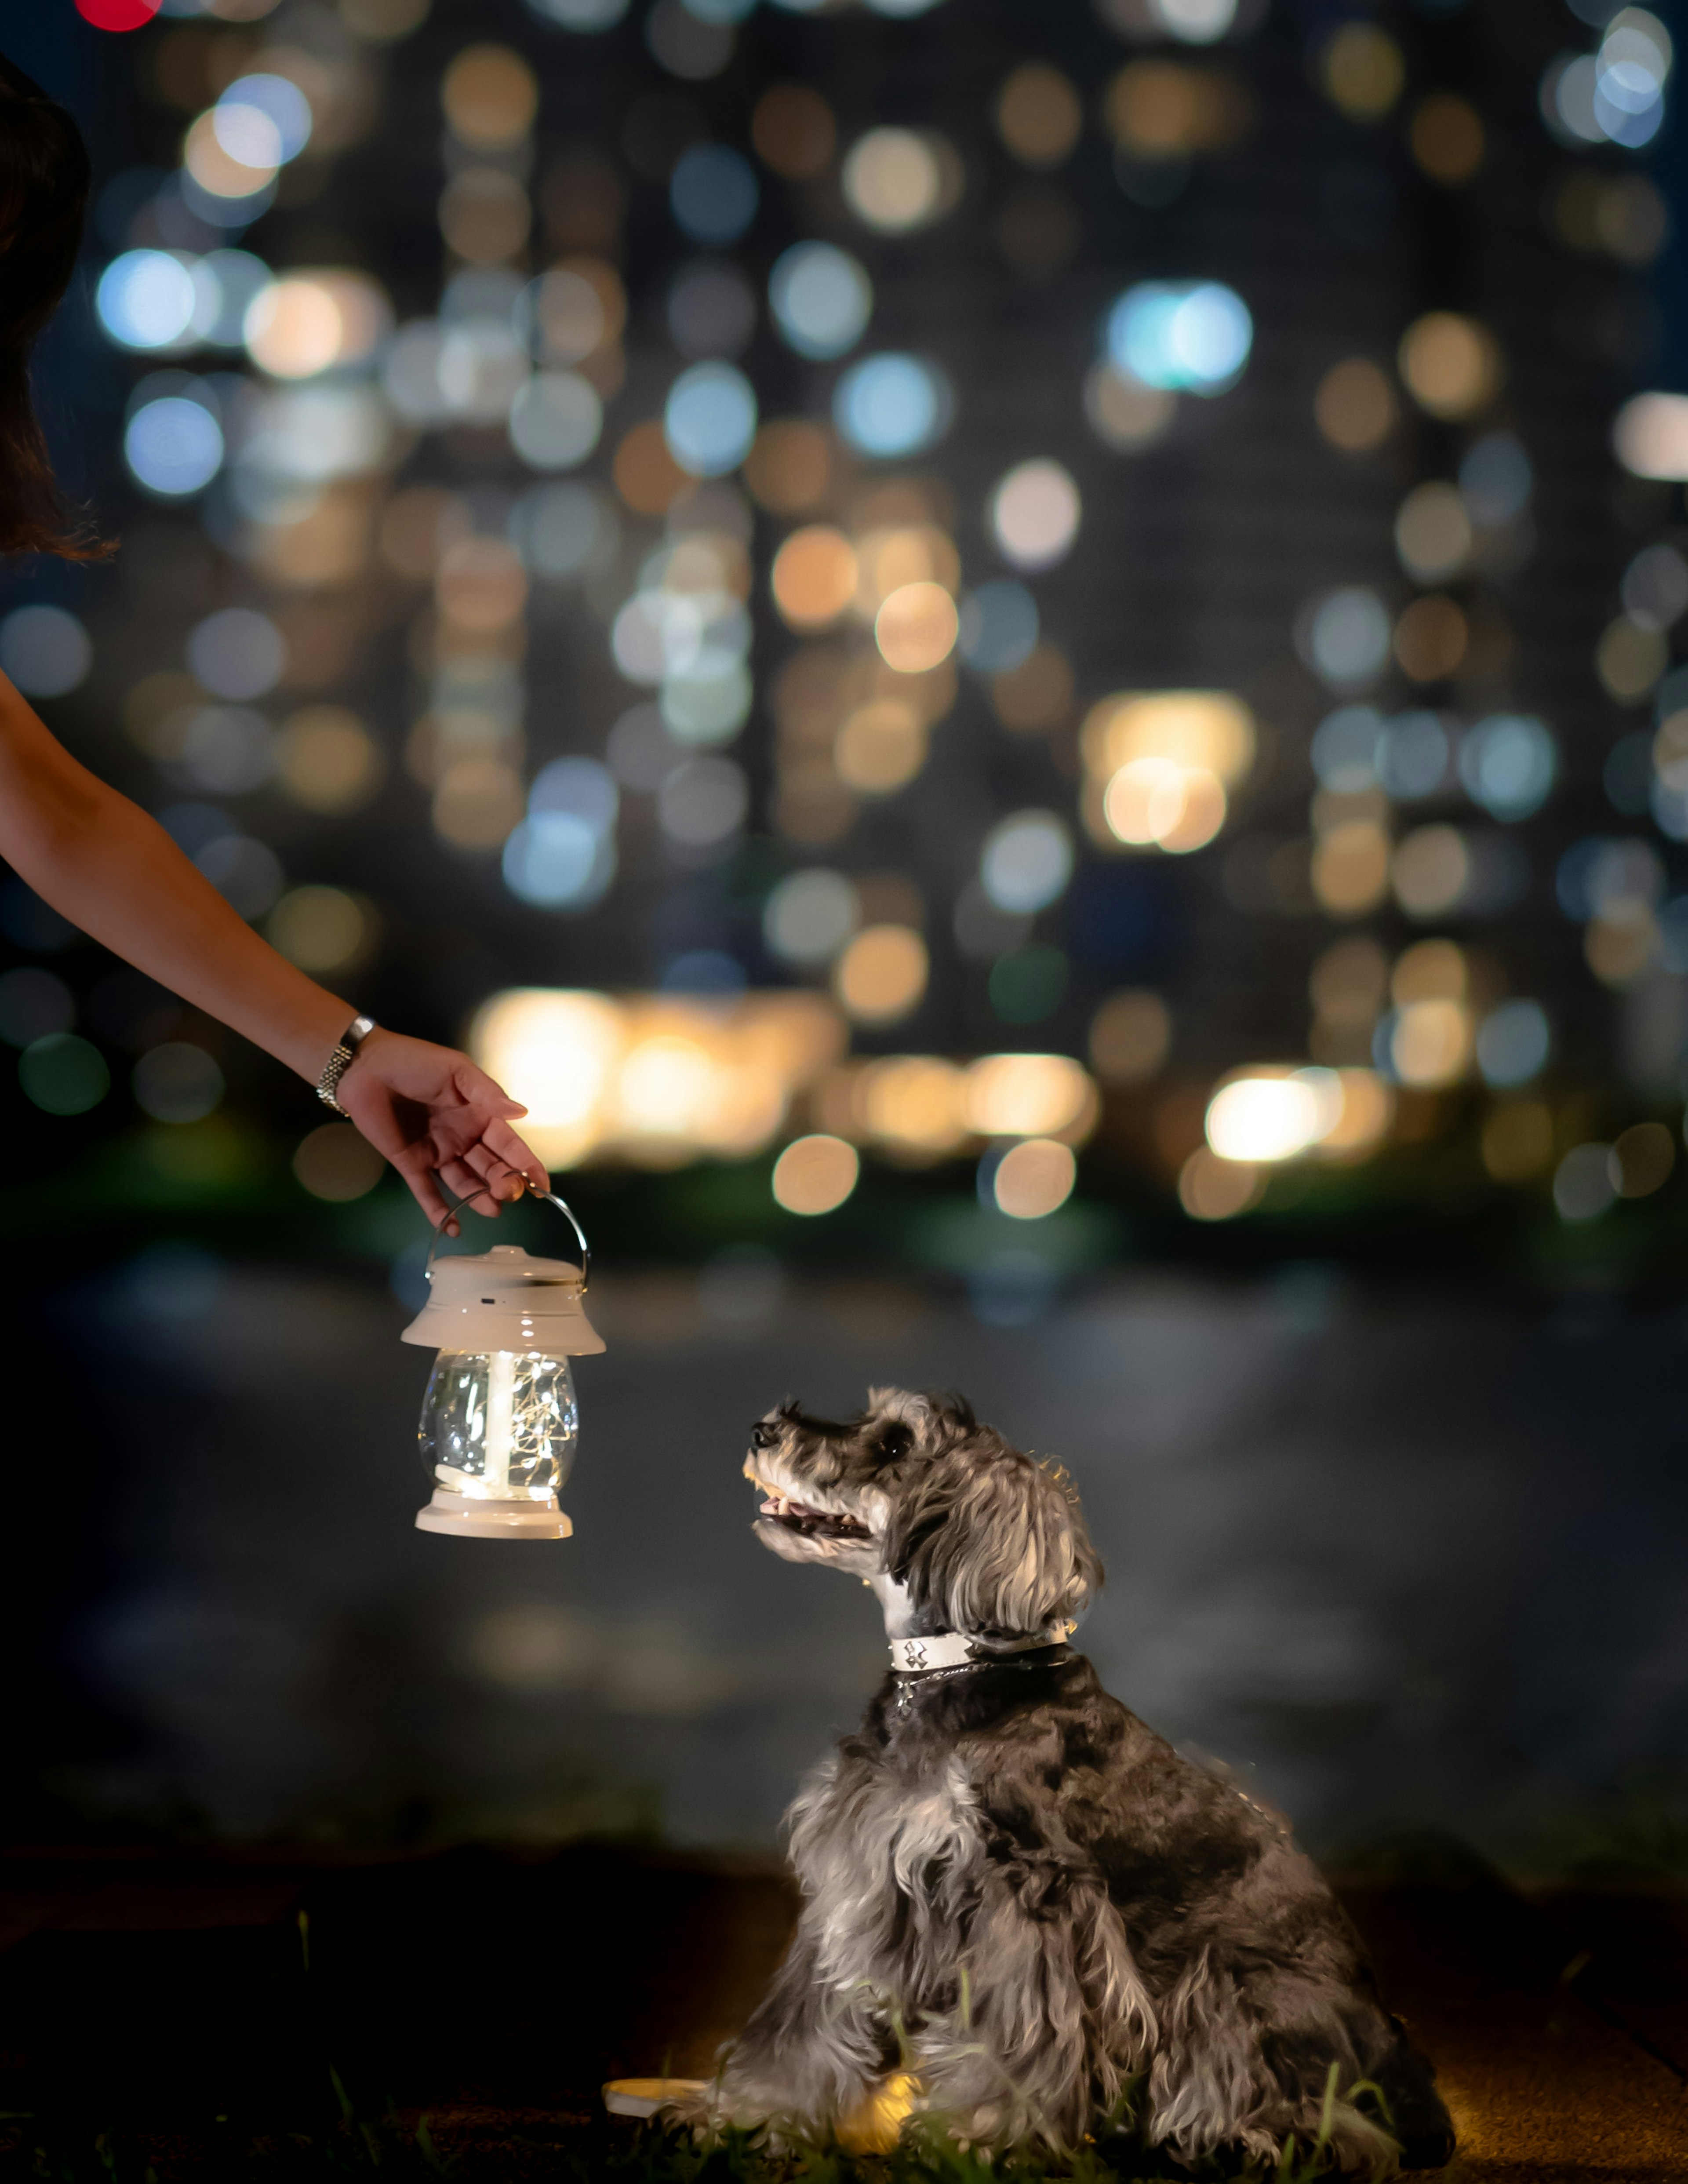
column 896, row 1440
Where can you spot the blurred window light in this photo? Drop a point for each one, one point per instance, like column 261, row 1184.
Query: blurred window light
column 224, row 750
column 477, row 801
column 881, row 975
column 1583, row 1188
column 1431, row 638
column 1350, row 867
column 232, row 154
column 557, row 859
column 147, row 299
column 282, row 104
column 173, row 446
column 1194, row 22
column 555, row 421
column 1206, row 730
column 892, row 405
column 45, row 651
column 177, row 1083
column 1641, row 1160
column 814, row 576
column 1030, row 1095
column 490, row 96
column 916, row 628
column 564, row 530
column 34, row 1004
column 711, row 310
column 1156, row 801
column 1414, row 757
column 237, row 653
column 1363, row 70
column 485, row 215
column 581, row 15
column 790, row 466
column 1033, row 1178
column 1630, row 658
column 1655, row 587
column 1260, row 1119
column 811, row 916
column 305, row 323
column 480, row 584
column 581, row 788
column 1181, row 336
column 1650, row 434
column 654, row 635
column 691, row 39
column 1344, row 637
column 1039, row 116
column 332, row 1163
column 794, row 131
column 62, row 1074
column 1427, row 1044
column 1027, row 862
column 320, row 928
column 703, row 803
column 894, row 180
column 887, row 559
column 1211, row 1188
column 821, row 300
column 816, row 1175
column 225, row 282
column 710, row 419
column 1507, row 763
column 572, row 311
column 1448, row 138
column 1346, row 747
column 998, row 626
column 1431, row 871
column 1355, row 406
column 1496, row 478
column 313, row 434
column 1034, row 513
column 708, row 705
column 1122, row 412
column 1450, row 365
column 1131, row 1035
column 913, row 1102
column 713, row 193
column 880, row 747
column 1433, row 532
column 1513, row 1042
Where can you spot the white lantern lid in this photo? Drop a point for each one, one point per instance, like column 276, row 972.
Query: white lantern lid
column 503, row 1300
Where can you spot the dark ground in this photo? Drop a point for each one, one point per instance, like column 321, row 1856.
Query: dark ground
column 162, row 1999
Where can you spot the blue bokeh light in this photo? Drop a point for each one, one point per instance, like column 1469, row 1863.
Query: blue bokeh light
column 280, row 102
column 714, row 193
column 892, row 405
column 709, row 419
column 145, row 299
column 999, row 626
column 174, row 446
column 1190, row 336
column 821, row 298
column 1507, row 765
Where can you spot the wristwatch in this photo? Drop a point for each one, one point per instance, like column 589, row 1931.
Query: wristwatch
column 341, row 1061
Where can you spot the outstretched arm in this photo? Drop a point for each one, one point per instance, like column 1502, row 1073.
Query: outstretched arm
column 101, row 862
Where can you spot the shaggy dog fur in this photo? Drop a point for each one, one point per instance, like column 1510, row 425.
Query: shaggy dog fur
column 1013, row 1888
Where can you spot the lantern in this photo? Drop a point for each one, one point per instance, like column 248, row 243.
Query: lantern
column 499, row 1421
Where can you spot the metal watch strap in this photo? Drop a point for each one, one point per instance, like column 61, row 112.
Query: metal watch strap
column 344, row 1054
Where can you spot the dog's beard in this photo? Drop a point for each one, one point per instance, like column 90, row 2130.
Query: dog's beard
column 809, row 1531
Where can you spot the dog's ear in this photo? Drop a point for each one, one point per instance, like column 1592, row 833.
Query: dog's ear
column 991, row 1544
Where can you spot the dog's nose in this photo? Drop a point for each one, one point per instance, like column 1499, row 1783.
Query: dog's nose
column 762, row 1434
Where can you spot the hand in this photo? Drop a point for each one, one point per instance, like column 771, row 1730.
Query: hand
column 437, row 1117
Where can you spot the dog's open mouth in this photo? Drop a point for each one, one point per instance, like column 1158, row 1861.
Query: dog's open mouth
column 814, row 1523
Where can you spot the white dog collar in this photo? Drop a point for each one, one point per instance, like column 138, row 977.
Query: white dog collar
column 954, row 1649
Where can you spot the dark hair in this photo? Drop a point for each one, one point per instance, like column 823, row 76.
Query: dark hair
column 43, row 191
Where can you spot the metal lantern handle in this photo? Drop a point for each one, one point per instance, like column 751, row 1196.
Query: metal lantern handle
column 551, row 1198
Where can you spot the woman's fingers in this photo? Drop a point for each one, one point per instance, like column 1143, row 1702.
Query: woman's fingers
column 501, row 1140
column 413, row 1163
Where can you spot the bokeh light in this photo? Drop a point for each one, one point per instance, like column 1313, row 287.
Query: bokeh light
column 891, row 404
column 1033, row 515
column 714, row 193
column 894, row 180
column 821, row 298
column 1355, row 406
column 1450, row 365
column 1033, row 1178
column 1039, row 115
column 45, row 651
column 814, row 576
column 916, row 628
column 816, row 1175
column 173, row 446
column 1181, row 336
column 1027, row 862
column 147, row 299
column 709, row 419
column 880, row 976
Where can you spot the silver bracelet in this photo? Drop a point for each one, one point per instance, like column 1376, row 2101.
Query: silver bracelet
column 341, row 1061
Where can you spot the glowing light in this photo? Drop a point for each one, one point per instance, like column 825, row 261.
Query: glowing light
column 308, row 322
column 1033, row 515
column 1433, row 532
column 1350, row 867
column 1154, row 800
column 45, row 651
column 1181, row 336
column 880, row 747
column 1513, row 1042
column 881, row 975
column 117, row 14
column 232, row 152
column 714, row 193
column 1364, row 72
column 1344, row 637
column 1124, row 413
column 917, row 627
column 1355, row 406
column 1030, row 1095
column 1507, row 763
column 1259, row 1119
column 173, row 446
column 892, row 405
column 1583, row 1188
column 1211, row 1188
column 1034, row 1179
column 814, row 576
column 1131, row 1034
column 821, row 298
column 320, row 928
column 1431, row 871
column 811, row 916
column 1039, row 115
column 1450, row 365
column 816, row 1175
column 998, row 626
column 894, row 180
column 1027, row 862
column 555, row 421
column 280, row 103
column 709, row 419
column 1650, row 436
column 1495, row 478
column 1429, row 1043
column 490, row 96
column 145, row 299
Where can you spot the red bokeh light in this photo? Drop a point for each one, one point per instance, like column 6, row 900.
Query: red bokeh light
column 117, row 14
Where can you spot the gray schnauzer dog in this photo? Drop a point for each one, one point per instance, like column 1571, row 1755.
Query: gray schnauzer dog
column 1021, row 1904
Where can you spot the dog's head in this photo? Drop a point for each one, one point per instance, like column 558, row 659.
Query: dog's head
column 985, row 1540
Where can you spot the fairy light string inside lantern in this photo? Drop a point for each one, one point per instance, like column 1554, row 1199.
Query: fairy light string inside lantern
column 500, row 1424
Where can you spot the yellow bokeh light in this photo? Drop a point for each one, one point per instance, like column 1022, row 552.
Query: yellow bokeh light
column 1350, row 869
column 1363, row 1118
column 215, row 169
column 1164, row 109
column 1450, row 365
column 1213, row 1188
column 1362, row 71
column 916, row 628
column 1039, row 115
column 321, row 928
column 485, row 215
column 880, row 747
column 1433, row 531
column 310, row 322
column 911, row 554
column 1264, row 1116
column 1034, row 1178
column 789, row 467
column 1176, row 808
column 1130, row 1034
column 480, row 584
column 478, row 800
column 1431, row 971
column 894, row 180
column 881, row 975
column 326, row 759
column 1031, row 1095
column 814, row 576
column 334, row 1163
column 1209, row 729
column 490, row 96
column 816, row 1175
column 1431, row 871
column 913, row 1102
column 1430, row 1043
column 1355, row 406
column 1431, row 637
column 1629, row 660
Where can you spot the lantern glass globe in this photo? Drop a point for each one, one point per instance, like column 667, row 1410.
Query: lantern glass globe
column 500, row 1425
